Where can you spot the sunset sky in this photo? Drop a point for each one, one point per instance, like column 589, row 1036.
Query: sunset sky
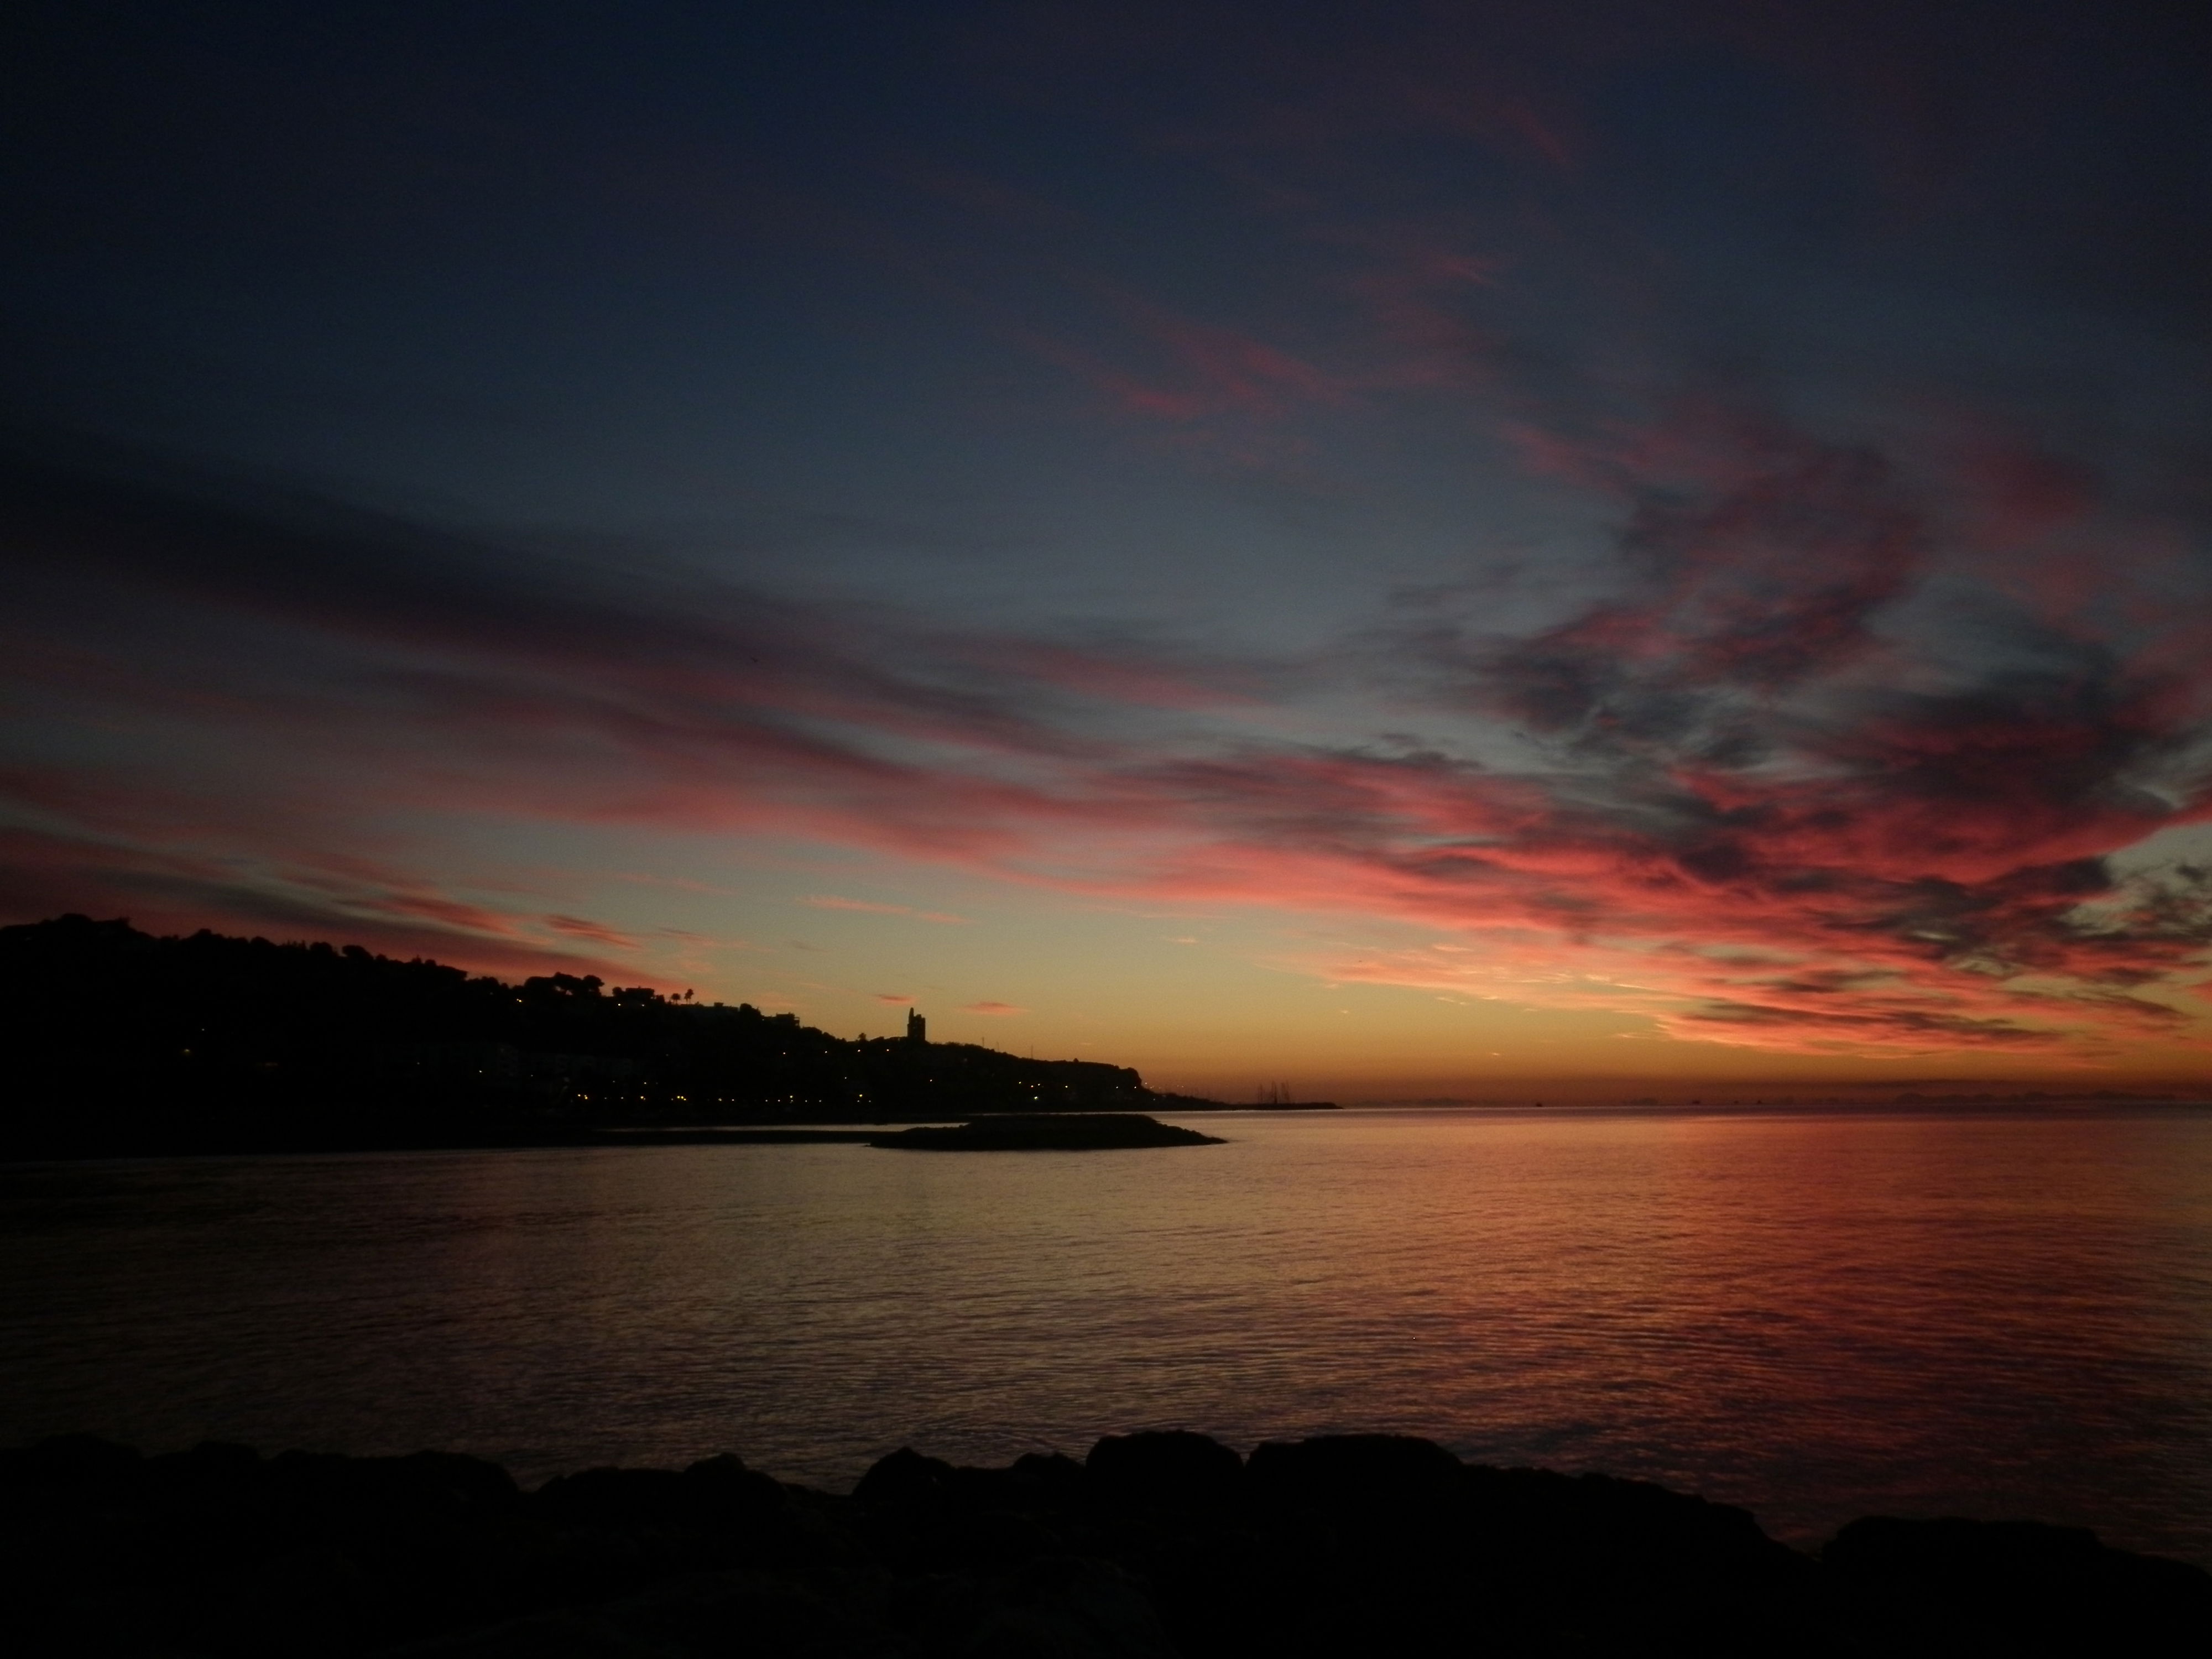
column 1410, row 550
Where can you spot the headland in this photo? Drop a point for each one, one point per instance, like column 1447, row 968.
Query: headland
column 1071, row 1132
column 121, row 1044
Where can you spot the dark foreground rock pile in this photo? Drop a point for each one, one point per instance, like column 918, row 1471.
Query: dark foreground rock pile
column 1156, row 1544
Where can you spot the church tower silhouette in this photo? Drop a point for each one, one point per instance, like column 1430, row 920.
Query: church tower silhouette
column 917, row 1028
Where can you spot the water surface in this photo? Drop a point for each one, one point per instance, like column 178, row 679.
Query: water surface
column 1815, row 1317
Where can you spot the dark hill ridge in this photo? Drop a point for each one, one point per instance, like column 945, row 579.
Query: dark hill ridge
column 118, row 1042
column 1156, row 1547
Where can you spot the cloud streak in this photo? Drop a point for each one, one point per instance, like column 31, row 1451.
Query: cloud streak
column 1796, row 775
column 829, row 901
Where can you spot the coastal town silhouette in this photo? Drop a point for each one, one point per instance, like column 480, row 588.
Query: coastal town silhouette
column 131, row 1043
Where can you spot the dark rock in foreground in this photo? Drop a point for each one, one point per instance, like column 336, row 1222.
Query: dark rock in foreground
column 1046, row 1133
column 1156, row 1545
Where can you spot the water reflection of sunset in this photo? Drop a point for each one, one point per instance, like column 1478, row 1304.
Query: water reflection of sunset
column 1814, row 1317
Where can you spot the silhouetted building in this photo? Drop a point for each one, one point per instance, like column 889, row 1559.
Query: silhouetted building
column 122, row 1044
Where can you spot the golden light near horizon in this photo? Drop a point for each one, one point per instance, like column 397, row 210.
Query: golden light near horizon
column 1106, row 825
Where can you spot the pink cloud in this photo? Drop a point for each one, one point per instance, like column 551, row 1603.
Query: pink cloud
column 1745, row 796
column 991, row 1008
column 168, row 891
column 599, row 932
column 1181, row 370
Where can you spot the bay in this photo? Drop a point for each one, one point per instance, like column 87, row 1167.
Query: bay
column 1816, row 1315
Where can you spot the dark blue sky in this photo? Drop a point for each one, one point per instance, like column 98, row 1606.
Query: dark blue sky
column 1675, row 524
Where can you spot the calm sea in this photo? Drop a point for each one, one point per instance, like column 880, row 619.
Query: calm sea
column 1814, row 1316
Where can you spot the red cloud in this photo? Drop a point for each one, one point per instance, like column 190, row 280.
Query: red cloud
column 1758, row 789
column 165, row 891
column 992, row 1008
column 1191, row 369
column 578, row 927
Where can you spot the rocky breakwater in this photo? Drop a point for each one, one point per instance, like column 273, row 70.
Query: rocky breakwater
column 1155, row 1545
column 1046, row 1132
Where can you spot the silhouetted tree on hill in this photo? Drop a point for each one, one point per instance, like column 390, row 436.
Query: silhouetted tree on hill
column 119, row 1040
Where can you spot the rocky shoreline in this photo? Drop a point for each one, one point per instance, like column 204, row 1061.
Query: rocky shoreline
column 1154, row 1546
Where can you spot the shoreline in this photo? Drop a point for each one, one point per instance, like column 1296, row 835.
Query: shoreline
column 65, row 1149
column 1155, row 1546
column 78, row 1150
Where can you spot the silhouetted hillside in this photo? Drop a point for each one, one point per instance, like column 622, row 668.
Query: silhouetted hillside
column 116, row 1040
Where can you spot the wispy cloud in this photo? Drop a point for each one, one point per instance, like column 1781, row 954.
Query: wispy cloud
column 830, row 901
column 599, row 932
column 1834, row 756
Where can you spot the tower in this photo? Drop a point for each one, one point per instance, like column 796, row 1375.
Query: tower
column 917, row 1028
